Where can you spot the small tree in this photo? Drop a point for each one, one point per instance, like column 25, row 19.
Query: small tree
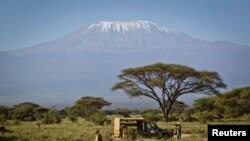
column 186, row 116
column 164, row 83
column 24, row 111
column 51, row 117
column 97, row 118
column 88, row 105
column 235, row 103
column 205, row 109
column 39, row 112
column 125, row 112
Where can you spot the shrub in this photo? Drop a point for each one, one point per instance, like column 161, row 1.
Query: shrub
column 204, row 116
column 97, row 118
column 123, row 111
column 72, row 118
column 39, row 112
column 51, row 117
column 3, row 120
column 24, row 111
column 152, row 116
column 173, row 118
column 186, row 116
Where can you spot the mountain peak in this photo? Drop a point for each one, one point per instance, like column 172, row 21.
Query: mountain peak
column 126, row 26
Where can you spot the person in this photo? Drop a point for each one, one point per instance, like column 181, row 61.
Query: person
column 98, row 136
column 178, row 130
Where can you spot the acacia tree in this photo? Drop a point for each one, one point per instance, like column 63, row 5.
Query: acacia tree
column 88, row 105
column 24, row 111
column 164, row 83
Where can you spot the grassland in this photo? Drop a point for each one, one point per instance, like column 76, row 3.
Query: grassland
column 83, row 130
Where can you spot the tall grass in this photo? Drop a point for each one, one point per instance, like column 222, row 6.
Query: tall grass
column 83, row 130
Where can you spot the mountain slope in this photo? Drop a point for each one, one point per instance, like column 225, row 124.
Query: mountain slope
column 87, row 61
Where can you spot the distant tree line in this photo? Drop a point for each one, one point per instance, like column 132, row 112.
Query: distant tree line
column 227, row 106
column 29, row 112
column 230, row 105
column 86, row 107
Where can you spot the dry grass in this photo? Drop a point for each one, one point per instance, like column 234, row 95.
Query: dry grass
column 83, row 130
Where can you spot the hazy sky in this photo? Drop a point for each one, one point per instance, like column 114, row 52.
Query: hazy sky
column 25, row 23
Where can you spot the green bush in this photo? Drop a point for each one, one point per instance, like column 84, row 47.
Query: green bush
column 152, row 116
column 24, row 111
column 51, row 117
column 73, row 118
column 173, row 118
column 204, row 116
column 124, row 112
column 186, row 116
column 3, row 120
column 97, row 118
column 39, row 112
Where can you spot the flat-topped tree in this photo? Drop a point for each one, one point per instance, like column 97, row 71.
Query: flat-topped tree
column 88, row 105
column 164, row 83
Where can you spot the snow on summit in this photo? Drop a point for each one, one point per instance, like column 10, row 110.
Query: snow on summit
column 124, row 26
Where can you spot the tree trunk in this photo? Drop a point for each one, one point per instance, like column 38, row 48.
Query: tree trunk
column 165, row 115
column 166, row 111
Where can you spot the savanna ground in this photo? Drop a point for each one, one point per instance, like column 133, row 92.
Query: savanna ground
column 83, row 130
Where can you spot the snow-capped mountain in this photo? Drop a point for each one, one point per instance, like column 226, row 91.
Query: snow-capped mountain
column 123, row 26
column 87, row 61
column 116, row 36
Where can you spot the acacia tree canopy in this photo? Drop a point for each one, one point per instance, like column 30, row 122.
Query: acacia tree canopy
column 164, row 83
column 24, row 111
column 88, row 105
